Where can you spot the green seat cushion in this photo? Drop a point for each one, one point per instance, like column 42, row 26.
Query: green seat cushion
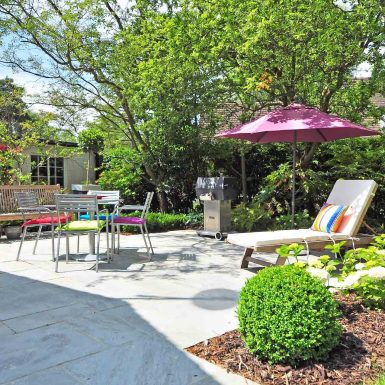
column 83, row 226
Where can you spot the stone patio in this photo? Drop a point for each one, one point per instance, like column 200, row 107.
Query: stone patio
column 127, row 324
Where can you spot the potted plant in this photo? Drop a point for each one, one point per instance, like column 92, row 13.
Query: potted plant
column 13, row 229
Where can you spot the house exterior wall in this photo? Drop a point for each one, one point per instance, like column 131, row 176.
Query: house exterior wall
column 75, row 170
column 75, row 167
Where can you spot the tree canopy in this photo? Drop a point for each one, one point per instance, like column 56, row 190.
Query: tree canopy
column 156, row 72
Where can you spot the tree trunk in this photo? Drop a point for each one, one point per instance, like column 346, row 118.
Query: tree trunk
column 308, row 155
column 88, row 166
column 155, row 180
column 244, row 184
column 162, row 199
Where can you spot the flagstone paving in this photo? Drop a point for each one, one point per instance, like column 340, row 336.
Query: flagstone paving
column 127, row 324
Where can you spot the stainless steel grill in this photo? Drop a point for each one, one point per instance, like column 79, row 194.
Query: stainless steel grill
column 216, row 194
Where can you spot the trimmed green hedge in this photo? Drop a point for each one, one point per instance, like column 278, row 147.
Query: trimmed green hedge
column 286, row 315
column 157, row 222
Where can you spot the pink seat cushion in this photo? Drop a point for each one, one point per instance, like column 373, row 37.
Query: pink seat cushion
column 130, row 220
column 45, row 221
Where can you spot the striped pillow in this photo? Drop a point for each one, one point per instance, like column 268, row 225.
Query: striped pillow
column 329, row 218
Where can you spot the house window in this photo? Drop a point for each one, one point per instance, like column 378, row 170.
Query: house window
column 47, row 170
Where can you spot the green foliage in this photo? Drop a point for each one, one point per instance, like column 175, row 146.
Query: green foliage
column 372, row 291
column 360, row 158
column 122, row 171
column 335, row 248
column 15, row 222
column 360, row 270
column 293, row 250
column 21, row 130
column 253, row 217
column 287, row 316
column 157, row 222
column 154, row 71
column 370, row 263
column 302, row 220
column 379, row 241
column 369, row 257
column 324, row 262
column 92, row 139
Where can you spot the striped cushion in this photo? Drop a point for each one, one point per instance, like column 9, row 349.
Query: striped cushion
column 329, row 218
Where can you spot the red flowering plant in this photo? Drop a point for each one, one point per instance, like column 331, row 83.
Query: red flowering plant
column 13, row 154
column 11, row 159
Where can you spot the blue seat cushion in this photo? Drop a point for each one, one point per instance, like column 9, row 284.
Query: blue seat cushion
column 102, row 217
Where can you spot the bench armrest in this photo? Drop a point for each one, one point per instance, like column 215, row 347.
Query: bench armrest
column 132, row 207
column 35, row 209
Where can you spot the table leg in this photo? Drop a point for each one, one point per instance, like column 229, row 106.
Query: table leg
column 91, row 242
column 91, row 245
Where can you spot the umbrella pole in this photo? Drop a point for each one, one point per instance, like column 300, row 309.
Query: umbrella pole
column 293, row 180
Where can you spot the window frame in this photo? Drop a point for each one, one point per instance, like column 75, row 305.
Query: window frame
column 49, row 164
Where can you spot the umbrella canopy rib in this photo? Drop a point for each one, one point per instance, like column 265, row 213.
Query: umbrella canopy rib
column 322, row 135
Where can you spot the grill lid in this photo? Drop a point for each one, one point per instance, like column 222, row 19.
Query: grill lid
column 221, row 187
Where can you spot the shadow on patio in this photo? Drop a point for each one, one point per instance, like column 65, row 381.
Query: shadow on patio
column 56, row 335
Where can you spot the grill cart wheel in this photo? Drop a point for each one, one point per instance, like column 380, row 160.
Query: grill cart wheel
column 219, row 236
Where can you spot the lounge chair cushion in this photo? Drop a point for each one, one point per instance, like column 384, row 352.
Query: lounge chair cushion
column 357, row 194
column 268, row 238
column 329, row 218
column 83, row 226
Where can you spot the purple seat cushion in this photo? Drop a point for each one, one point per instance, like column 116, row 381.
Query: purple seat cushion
column 130, row 220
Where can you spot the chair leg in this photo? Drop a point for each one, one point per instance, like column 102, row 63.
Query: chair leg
column 149, row 240
column 78, row 245
column 108, row 243
column 97, row 252
column 245, row 259
column 145, row 242
column 118, row 239
column 58, row 252
column 113, row 238
column 21, row 242
column 67, row 247
column 53, row 242
column 37, row 240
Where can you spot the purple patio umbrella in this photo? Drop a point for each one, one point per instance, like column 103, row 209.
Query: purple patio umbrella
column 296, row 123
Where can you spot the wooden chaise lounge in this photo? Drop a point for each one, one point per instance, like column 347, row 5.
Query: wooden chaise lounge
column 357, row 194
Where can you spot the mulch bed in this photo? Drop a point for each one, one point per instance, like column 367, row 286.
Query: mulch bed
column 359, row 357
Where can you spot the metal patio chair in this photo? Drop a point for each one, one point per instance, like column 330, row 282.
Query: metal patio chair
column 68, row 204
column 110, row 198
column 27, row 204
column 118, row 220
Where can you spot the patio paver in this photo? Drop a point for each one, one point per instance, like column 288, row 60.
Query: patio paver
column 127, row 324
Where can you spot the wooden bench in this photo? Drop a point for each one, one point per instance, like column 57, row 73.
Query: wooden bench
column 8, row 204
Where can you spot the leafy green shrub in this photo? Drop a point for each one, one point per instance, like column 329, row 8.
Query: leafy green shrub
column 360, row 270
column 121, row 172
column 371, row 290
column 288, row 316
column 252, row 217
column 363, row 271
column 165, row 222
column 302, row 220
